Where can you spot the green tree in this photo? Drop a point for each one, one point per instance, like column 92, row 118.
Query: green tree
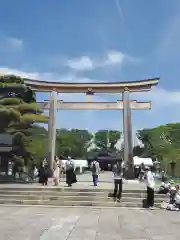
column 162, row 143
column 73, row 142
column 39, row 142
column 18, row 112
column 101, row 138
column 107, row 139
column 114, row 136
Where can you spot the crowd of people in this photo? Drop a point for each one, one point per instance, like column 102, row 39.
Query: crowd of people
column 60, row 169
column 145, row 174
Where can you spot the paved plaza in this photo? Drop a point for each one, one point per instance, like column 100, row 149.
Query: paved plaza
column 38, row 223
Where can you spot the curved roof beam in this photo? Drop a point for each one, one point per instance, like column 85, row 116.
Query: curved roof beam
column 94, row 87
column 91, row 87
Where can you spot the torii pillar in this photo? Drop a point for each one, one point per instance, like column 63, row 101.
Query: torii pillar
column 52, row 129
column 127, row 131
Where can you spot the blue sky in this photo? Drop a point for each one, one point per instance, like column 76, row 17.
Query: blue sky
column 96, row 40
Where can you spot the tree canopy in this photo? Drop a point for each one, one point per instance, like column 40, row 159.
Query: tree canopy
column 107, row 139
column 161, row 143
column 18, row 112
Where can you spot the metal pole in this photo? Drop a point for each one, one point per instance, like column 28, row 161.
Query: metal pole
column 52, row 130
column 127, row 131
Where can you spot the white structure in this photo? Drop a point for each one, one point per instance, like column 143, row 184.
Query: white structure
column 79, row 163
column 138, row 161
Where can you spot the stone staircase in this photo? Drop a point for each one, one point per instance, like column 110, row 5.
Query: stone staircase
column 51, row 196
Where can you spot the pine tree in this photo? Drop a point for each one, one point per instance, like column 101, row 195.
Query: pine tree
column 18, row 113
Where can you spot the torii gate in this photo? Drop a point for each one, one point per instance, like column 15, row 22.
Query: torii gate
column 90, row 88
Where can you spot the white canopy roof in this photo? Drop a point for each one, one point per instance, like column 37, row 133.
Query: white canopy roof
column 78, row 163
column 138, row 161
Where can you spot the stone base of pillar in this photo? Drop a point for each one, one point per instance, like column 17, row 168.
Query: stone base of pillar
column 129, row 173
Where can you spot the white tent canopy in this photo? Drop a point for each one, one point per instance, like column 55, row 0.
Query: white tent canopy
column 79, row 163
column 138, row 161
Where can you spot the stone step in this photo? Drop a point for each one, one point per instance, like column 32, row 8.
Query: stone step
column 66, row 189
column 75, row 198
column 80, row 194
column 59, row 203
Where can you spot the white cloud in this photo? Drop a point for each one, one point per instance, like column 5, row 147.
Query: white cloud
column 82, row 63
column 114, row 57
column 87, row 63
column 15, row 43
column 43, row 76
column 159, row 97
column 9, row 44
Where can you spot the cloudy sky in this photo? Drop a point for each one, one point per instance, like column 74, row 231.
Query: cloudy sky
column 96, row 40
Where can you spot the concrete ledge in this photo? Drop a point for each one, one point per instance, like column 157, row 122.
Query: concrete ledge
column 51, row 206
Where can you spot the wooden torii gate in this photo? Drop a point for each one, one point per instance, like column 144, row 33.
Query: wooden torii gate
column 91, row 88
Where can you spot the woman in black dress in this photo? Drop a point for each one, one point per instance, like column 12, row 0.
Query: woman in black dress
column 44, row 173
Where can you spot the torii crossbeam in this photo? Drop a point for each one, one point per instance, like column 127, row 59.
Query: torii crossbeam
column 134, row 105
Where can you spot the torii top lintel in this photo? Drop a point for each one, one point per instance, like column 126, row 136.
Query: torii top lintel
column 94, row 87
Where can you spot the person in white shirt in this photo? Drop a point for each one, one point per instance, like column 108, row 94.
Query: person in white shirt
column 95, row 168
column 150, row 188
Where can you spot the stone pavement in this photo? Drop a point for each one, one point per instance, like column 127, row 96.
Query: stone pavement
column 21, row 223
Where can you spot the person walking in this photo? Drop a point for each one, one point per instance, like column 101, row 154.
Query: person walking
column 44, row 173
column 150, row 188
column 70, row 172
column 57, row 171
column 117, row 175
column 95, row 168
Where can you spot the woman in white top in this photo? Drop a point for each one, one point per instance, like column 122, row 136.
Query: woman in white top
column 57, row 170
column 150, row 188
